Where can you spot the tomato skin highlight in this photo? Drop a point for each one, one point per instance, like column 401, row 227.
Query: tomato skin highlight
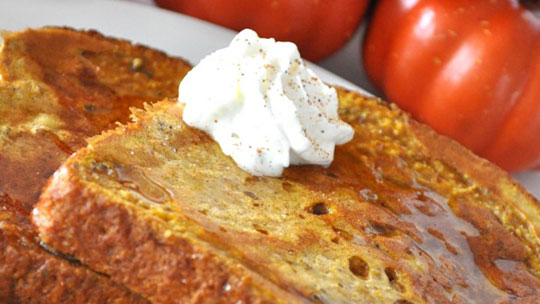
column 469, row 69
column 318, row 27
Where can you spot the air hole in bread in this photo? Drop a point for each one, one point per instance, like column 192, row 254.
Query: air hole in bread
column 344, row 234
column 319, row 209
column 260, row 229
column 401, row 301
column 383, row 228
column 318, row 299
column 287, row 186
column 330, row 174
column 393, row 278
column 359, row 267
column 251, row 195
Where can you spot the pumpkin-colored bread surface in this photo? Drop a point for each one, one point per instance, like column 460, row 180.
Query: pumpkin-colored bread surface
column 403, row 215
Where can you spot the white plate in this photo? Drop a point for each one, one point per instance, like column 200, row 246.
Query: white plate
column 174, row 33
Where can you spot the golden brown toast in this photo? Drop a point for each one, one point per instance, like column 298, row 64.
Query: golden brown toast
column 402, row 215
column 29, row 274
column 83, row 84
column 60, row 86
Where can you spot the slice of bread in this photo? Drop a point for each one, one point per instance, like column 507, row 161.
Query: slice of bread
column 402, row 215
column 60, row 86
column 29, row 274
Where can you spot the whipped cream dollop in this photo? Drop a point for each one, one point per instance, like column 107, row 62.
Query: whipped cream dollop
column 263, row 106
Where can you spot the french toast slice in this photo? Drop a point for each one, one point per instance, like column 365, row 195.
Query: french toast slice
column 84, row 83
column 402, row 215
column 60, row 86
column 29, row 274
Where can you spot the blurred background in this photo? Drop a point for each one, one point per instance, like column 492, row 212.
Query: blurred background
column 346, row 62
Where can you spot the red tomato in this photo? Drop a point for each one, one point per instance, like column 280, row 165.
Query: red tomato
column 470, row 69
column 318, row 27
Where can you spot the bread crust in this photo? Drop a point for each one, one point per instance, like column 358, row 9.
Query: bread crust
column 31, row 275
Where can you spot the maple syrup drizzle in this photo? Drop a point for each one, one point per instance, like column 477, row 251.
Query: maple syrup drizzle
column 141, row 185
